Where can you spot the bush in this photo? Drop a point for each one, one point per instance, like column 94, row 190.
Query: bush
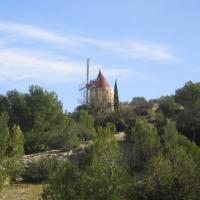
column 145, row 144
column 39, row 171
column 14, row 168
column 86, row 129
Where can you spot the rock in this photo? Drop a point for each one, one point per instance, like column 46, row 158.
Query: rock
column 19, row 180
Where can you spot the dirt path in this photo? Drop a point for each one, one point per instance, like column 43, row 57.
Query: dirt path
column 21, row 192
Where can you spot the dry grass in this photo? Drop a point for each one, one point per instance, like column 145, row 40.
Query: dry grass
column 21, row 192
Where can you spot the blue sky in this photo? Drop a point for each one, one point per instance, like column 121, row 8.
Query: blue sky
column 151, row 47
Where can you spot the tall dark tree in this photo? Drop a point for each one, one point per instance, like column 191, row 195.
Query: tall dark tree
column 116, row 97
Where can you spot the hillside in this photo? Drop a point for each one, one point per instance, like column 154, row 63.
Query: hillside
column 141, row 150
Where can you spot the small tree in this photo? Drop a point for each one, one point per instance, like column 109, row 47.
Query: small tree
column 170, row 137
column 16, row 142
column 104, row 168
column 86, row 129
column 159, row 179
column 145, row 143
column 186, row 175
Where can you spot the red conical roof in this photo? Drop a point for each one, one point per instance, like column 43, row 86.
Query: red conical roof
column 101, row 81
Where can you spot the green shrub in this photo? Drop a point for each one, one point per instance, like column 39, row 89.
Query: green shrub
column 145, row 144
column 39, row 171
column 14, row 168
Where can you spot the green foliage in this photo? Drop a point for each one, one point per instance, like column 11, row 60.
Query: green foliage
column 188, row 121
column 35, row 142
column 16, row 144
column 46, row 117
column 68, row 138
column 188, row 94
column 169, row 137
column 46, row 110
column 185, row 169
column 68, row 182
column 119, row 119
column 105, row 171
column 172, row 173
column 122, row 118
column 11, row 149
column 13, row 168
column 4, row 105
column 39, row 171
column 86, row 129
column 190, row 147
column 4, row 135
column 158, row 119
column 159, row 178
column 140, row 105
column 40, row 115
column 169, row 107
column 145, row 143
column 105, row 148
column 98, row 178
column 18, row 110
column 166, row 179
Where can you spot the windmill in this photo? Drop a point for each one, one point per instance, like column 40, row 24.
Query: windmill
column 84, row 89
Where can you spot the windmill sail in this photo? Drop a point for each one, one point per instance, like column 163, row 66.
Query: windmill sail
column 84, row 88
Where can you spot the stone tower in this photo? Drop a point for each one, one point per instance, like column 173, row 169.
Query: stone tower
column 101, row 94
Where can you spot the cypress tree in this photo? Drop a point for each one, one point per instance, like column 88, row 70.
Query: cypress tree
column 116, row 97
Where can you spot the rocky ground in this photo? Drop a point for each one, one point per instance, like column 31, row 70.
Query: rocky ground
column 64, row 155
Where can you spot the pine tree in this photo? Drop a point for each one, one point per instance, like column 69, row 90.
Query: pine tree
column 116, row 97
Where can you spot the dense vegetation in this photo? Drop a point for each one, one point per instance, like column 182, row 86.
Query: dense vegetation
column 159, row 159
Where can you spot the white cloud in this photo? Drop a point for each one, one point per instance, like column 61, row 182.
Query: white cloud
column 133, row 49
column 126, row 48
column 20, row 65
column 25, row 64
column 32, row 32
column 16, row 64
